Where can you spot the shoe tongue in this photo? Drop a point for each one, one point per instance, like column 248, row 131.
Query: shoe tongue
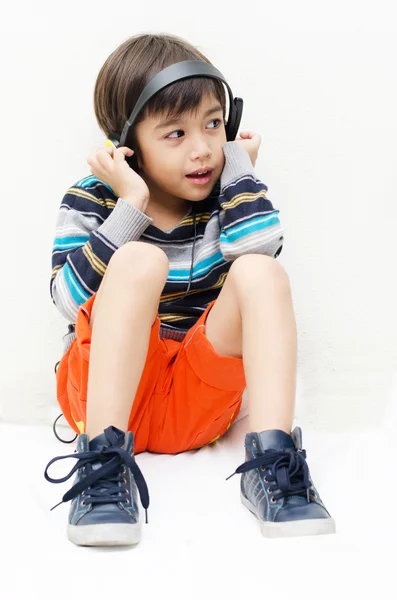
column 275, row 439
column 110, row 437
column 296, row 500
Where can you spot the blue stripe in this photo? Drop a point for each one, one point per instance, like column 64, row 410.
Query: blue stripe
column 77, row 292
column 204, row 266
column 66, row 243
column 240, row 231
column 89, row 181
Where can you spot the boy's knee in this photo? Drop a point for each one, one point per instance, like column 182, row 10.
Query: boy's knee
column 259, row 268
column 137, row 258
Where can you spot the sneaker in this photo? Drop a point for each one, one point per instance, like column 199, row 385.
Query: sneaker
column 104, row 509
column 276, row 486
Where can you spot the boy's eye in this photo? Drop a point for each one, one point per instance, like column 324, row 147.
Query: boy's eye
column 171, row 136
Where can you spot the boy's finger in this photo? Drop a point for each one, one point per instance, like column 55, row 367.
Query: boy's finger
column 95, row 166
column 98, row 152
column 105, row 159
column 118, row 156
column 121, row 153
column 109, row 150
column 125, row 150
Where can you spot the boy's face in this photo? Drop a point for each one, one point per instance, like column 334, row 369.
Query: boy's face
column 172, row 150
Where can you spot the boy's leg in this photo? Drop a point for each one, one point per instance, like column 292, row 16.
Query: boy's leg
column 124, row 310
column 253, row 319
column 257, row 292
column 104, row 509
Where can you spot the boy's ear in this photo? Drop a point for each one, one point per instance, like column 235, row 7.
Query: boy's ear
column 139, row 160
column 137, row 154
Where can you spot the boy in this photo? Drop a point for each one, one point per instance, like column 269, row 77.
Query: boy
column 176, row 303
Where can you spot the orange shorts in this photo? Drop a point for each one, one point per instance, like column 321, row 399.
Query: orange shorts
column 187, row 397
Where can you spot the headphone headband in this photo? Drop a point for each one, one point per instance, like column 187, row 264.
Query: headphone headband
column 184, row 70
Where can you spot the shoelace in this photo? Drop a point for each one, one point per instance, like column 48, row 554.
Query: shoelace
column 286, row 473
column 105, row 479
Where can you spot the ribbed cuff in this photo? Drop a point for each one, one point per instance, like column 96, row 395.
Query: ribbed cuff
column 237, row 163
column 126, row 223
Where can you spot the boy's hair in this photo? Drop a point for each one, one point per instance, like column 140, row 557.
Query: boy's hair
column 130, row 67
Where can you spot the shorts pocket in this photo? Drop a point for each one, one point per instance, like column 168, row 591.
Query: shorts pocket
column 78, row 372
column 223, row 372
column 217, row 427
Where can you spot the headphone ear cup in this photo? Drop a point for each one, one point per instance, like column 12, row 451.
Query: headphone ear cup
column 230, row 126
column 234, row 119
column 132, row 162
column 115, row 139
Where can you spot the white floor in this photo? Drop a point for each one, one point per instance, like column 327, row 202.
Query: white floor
column 200, row 542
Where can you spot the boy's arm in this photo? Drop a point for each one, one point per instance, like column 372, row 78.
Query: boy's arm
column 86, row 238
column 249, row 223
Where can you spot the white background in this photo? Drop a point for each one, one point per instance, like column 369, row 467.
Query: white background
column 319, row 84
column 318, row 80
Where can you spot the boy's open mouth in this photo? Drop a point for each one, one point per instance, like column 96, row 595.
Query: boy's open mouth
column 201, row 175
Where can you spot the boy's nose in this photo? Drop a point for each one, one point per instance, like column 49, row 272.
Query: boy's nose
column 200, row 149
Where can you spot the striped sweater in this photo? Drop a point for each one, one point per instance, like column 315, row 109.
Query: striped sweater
column 236, row 218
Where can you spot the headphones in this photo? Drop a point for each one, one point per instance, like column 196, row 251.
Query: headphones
column 181, row 70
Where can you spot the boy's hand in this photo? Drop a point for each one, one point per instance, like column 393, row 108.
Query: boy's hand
column 250, row 141
column 110, row 166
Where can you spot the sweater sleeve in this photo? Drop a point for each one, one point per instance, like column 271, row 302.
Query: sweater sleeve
column 86, row 236
column 248, row 221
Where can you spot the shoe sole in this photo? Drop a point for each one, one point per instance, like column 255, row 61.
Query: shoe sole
column 107, row 534
column 291, row 528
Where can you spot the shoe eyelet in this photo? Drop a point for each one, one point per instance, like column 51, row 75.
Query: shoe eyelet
column 125, row 481
column 254, row 443
column 263, row 468
column 269, row 491
column 265, row 479
column 83, row 503
column 272, row 500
